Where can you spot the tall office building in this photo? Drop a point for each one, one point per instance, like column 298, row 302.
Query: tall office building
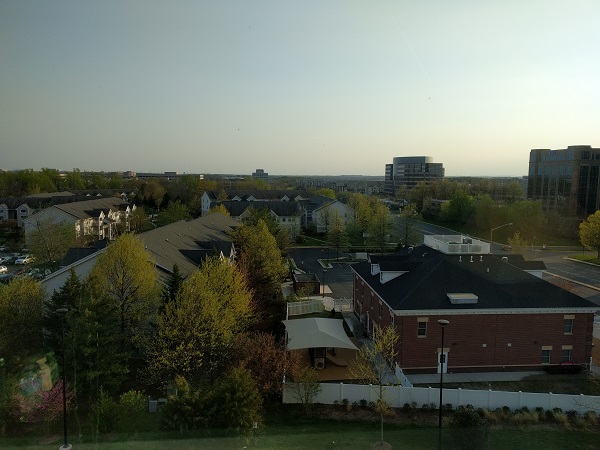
column 410, row 170
column 565, row 178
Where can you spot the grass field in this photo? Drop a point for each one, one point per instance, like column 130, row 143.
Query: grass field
column 327, row 434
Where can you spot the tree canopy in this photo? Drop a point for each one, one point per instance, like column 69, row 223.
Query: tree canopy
column 197, row 332
column 589, row 232
column 124, row 273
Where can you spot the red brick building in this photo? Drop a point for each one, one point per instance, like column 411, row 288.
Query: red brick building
column 501, row 317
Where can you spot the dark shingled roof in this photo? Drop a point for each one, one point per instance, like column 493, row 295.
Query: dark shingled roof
column 498, row 283
column 275, row 195
column 281, row 209
column 187, row 243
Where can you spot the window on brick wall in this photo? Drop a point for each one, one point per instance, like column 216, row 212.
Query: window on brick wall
column 566, row 355
column 568, row 326
column 546, row 356
column 421, row 328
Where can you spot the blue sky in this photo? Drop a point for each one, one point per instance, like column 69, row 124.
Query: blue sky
column 295, row 87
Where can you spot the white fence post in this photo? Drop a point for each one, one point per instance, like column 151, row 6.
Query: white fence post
column 341, row 392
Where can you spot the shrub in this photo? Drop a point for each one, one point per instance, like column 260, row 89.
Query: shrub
column 492, row 417
column 183, row 413
column 469, row 429
column 235, row 402
column 448, row 407
column 406, row 408
column 572, row 414
column 363, row 402
column 105, row 413
column 591, row 417
column 345, row 402
column 525, row 417
column 560, row 418
column 426, row 407
column 132, row 405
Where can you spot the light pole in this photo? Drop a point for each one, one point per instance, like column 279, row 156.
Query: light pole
column 324, row 272
column 63, row 312
column 442, row 358
column 492, row 230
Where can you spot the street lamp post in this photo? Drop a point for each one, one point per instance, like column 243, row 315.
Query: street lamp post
column 492, row 230
column 442, row 358
column 324, row 272
column 63, row 312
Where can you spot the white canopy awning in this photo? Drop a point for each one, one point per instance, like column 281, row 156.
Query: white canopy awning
column 317, row 332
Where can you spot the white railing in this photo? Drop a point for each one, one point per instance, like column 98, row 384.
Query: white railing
column 305, row 307
column 400, row 375
column 318, row 305
column 397, row 396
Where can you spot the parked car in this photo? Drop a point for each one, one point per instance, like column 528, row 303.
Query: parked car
column 3, row 269
column 6, row 277
column 24, row 260
column 4, row 260
column 3, row 248
column 9, row 260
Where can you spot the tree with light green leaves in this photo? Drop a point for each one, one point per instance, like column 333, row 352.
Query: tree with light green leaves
column 197, row 332
column 261, row 262
column 589, row 232
column 125, row 274
column 373, row 362
column 174, row 212
column 21, row 305
column 337, row 236
column 380, row 226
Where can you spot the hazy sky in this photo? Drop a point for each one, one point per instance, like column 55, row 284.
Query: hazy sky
column 295, row 87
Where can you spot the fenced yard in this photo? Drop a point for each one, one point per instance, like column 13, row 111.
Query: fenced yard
column 398, row 396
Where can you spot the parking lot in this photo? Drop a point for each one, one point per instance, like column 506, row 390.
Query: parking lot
column 17, row 264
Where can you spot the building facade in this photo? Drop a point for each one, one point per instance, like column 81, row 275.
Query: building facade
column 567, row 179
column 410, row 170
column 501, row 317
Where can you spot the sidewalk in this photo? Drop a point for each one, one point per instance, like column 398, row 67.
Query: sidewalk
column 476, row 377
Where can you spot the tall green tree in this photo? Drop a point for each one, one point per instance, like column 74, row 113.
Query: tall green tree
column 125, row 274
column 336, row 235
column 528, row 218
column 197, row 332
column 589, row 232
column 21, row 305
column 174, row 212
column 380, row 226
column 408, row 215
column 261, row 262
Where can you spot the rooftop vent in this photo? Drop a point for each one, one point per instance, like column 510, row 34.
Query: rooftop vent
column 460, row 259
column 481, row 259
column 463, row 298
column 505, row 258
column 471, row 259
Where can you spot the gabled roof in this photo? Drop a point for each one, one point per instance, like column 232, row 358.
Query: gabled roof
column 281, row 209
column 497, row 283
column 261, row 194
column 92, row 208
column 187, row 243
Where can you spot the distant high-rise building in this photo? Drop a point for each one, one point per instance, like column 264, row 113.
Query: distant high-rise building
column 410, row 170
column 567, row 178
column 260, row 174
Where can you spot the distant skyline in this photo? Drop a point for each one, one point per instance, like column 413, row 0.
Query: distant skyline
column 295, row 88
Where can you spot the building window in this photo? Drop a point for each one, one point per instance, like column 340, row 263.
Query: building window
column 545, row 356
column 566, row 355
column 421, row 329
column 568, row 326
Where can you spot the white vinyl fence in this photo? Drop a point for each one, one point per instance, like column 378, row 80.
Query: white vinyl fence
column 318, row 305
column 397, row 396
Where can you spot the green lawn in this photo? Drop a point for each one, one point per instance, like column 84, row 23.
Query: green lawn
column 288, row 430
